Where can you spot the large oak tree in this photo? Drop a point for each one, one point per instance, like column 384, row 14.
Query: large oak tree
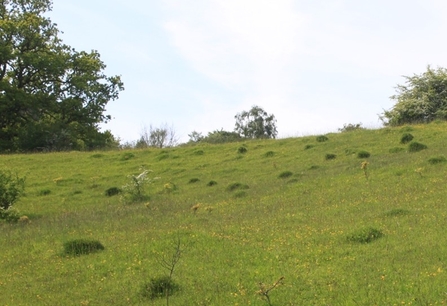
column 52, row 97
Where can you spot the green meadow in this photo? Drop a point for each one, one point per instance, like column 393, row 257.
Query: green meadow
column 353, row 219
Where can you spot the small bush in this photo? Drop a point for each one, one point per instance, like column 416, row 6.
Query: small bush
column 285, row 174
column 11, row 189
column 308, row 146
column 236, row 186
column 199, row 152
column 82, row 247
column 193, row 180
column 437, row 160
column 211, row 183
column 242, row 150
column 365, row 235
column 322, row 138
column 397, row 212
column 112, row 191
column 10, row 215
column 44, row 192
column 330, row 156
column 406, row 138
column 269, row 154
column 416, row 147
column 158, row 287
column 363, row 154
column 396, row 150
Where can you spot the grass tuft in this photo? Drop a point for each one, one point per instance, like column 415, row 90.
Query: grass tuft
column 82, row 247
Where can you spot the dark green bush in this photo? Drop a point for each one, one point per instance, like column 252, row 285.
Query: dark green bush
column 44, row 192
column 97, row 155
column 242, row 150
column 82, row 247
column 406, row 138
column 365, row 235
column 285, row 174
column 159, row 287
column 269, row 154
column 416, row 147
column 363, row 154
column 330, row 156
column 211, row 183
column 308, row 146
column 350, row 127
column 10, row 215
column 199, row 152
column 236, row 186
column 112, row 191
column 437, row 160
column 396, row 150
column 322, row 138
column 193, row 180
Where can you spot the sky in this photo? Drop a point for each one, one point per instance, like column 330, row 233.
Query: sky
column 193, row 65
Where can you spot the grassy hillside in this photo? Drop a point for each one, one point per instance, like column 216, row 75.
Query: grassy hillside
column 292, row 208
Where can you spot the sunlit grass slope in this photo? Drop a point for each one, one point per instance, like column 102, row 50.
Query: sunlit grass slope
column 284, row 208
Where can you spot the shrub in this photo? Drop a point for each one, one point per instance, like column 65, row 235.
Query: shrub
column 322, row 138
column 363, row 154
column 193, row 180
column 97, row 155
column 416, row 147
column 211, row 183
column 199, row 152
column 396, row 150
column 330, row 156
column 285, row 174
column 406, row 138
column 44, row 192
column 159, row 287
column 10, row 215
column 397, row 212
column 242, row 150
column 308, row 146
column 82, row 247
column 365, row 235
column 112, row 191
column 135, row 190
column 235, row 186
column 269, row 154
column 437, row 160
column 11, row 188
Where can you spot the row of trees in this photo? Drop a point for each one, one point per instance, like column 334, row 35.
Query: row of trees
column 53, row 97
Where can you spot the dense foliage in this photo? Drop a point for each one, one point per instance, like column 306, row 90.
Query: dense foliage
column 52, row 97
column 256, row 123
column 422, row 99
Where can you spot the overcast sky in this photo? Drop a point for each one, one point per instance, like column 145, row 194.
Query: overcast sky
column 195, row 64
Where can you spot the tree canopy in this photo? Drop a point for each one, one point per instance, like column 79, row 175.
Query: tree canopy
column 422, row 99
column 51, row 96
column 255, row 123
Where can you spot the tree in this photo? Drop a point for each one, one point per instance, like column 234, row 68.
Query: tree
column 161, row 137
column 422, row 99
column 51, row 96
column 256, row 123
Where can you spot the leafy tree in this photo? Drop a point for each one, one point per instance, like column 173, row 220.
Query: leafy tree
column 422, row 99
column 195, row 137
column 256, row 123
column 51, row 96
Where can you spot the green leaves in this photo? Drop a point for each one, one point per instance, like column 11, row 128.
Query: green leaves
column 256, row 123
column 45, row 82
column 422, row 99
